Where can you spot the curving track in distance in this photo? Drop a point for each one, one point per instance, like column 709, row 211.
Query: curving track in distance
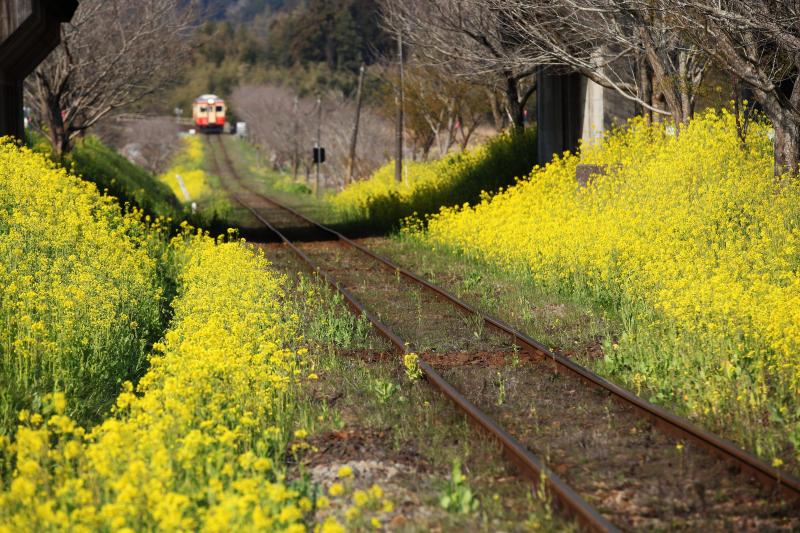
column 531, row 466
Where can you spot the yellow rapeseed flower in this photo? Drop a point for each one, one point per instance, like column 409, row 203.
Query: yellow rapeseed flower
column 345, row 472
column 690, row 238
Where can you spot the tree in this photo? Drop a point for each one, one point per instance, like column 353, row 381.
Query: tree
column 112, row 54
column 343, row 34
column 757, row 43
column 624, row 45
column 440, row 110
column 466, row 39
column 284, row 125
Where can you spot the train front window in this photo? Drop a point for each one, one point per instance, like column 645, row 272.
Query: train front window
column 219, row 109
column 203, row 109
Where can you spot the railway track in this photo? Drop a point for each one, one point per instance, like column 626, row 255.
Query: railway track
column 718, row 470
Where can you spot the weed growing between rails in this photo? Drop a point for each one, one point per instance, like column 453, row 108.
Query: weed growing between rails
column 278, row 184
column 693, row 243
column 367, row 410
column 202, row 187
column 572, row 324
column 452, row 180
column 82, row 291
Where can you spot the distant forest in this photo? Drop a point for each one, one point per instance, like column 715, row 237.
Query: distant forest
column 308, row 45
column 238, row 10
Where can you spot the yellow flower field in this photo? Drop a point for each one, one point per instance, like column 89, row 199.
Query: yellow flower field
column 692, row 241
column 81, row 294
column 427, row 186
column 188, row 166
column 200, row 443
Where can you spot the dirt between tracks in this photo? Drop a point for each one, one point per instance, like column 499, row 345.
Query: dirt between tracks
column 450, row 360
column 429, row 324
column 631, row 472
column 405, row 442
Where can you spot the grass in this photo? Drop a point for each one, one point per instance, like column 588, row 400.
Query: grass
column 466, row 177
column 276, row 180
column 571, row 323
column 277, row 183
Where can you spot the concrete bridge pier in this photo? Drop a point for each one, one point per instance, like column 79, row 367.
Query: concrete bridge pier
column 571, row 108
column 558, row 113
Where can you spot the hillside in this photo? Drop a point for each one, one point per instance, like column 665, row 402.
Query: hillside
column 309, row 46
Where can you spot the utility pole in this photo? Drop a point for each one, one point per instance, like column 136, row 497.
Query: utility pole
column 296, row 139
column 353, row 143
column 398, row 163
column 319, row 140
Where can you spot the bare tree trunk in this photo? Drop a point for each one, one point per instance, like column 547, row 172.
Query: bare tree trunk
column 467, row 131
column 687, row 107
column 295, row 139
column 787, row 145
column 427, row 144
column 497, row 115
column 516, row 111
column 57, row 130
column 448, row 139
column 663, row 81
column 742, row 115
column 645, row 74
column 398, row 163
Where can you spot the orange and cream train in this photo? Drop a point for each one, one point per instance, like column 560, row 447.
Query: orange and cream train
column 208, row 113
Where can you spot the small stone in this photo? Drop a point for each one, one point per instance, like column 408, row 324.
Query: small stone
column 397, row 521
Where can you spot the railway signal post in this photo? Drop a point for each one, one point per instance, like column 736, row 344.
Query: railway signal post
column 319, row 152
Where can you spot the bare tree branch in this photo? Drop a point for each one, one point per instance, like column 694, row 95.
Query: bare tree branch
column 623, row 45
column 759, row 44
column 467, row 39
column 112, row 54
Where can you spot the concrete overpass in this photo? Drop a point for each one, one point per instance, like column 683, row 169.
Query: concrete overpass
column 29, row 31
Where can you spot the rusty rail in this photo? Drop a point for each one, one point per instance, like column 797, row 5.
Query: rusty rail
column 769, row 476
column 568, row 501
column 670, row 423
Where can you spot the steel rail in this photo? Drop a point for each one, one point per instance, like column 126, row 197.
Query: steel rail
column 766, row 474
column 530, row 465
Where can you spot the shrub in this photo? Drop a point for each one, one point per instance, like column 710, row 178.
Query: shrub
column 112, row 172
column 452, row 180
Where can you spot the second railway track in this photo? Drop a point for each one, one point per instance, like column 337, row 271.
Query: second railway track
column 613, row 459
